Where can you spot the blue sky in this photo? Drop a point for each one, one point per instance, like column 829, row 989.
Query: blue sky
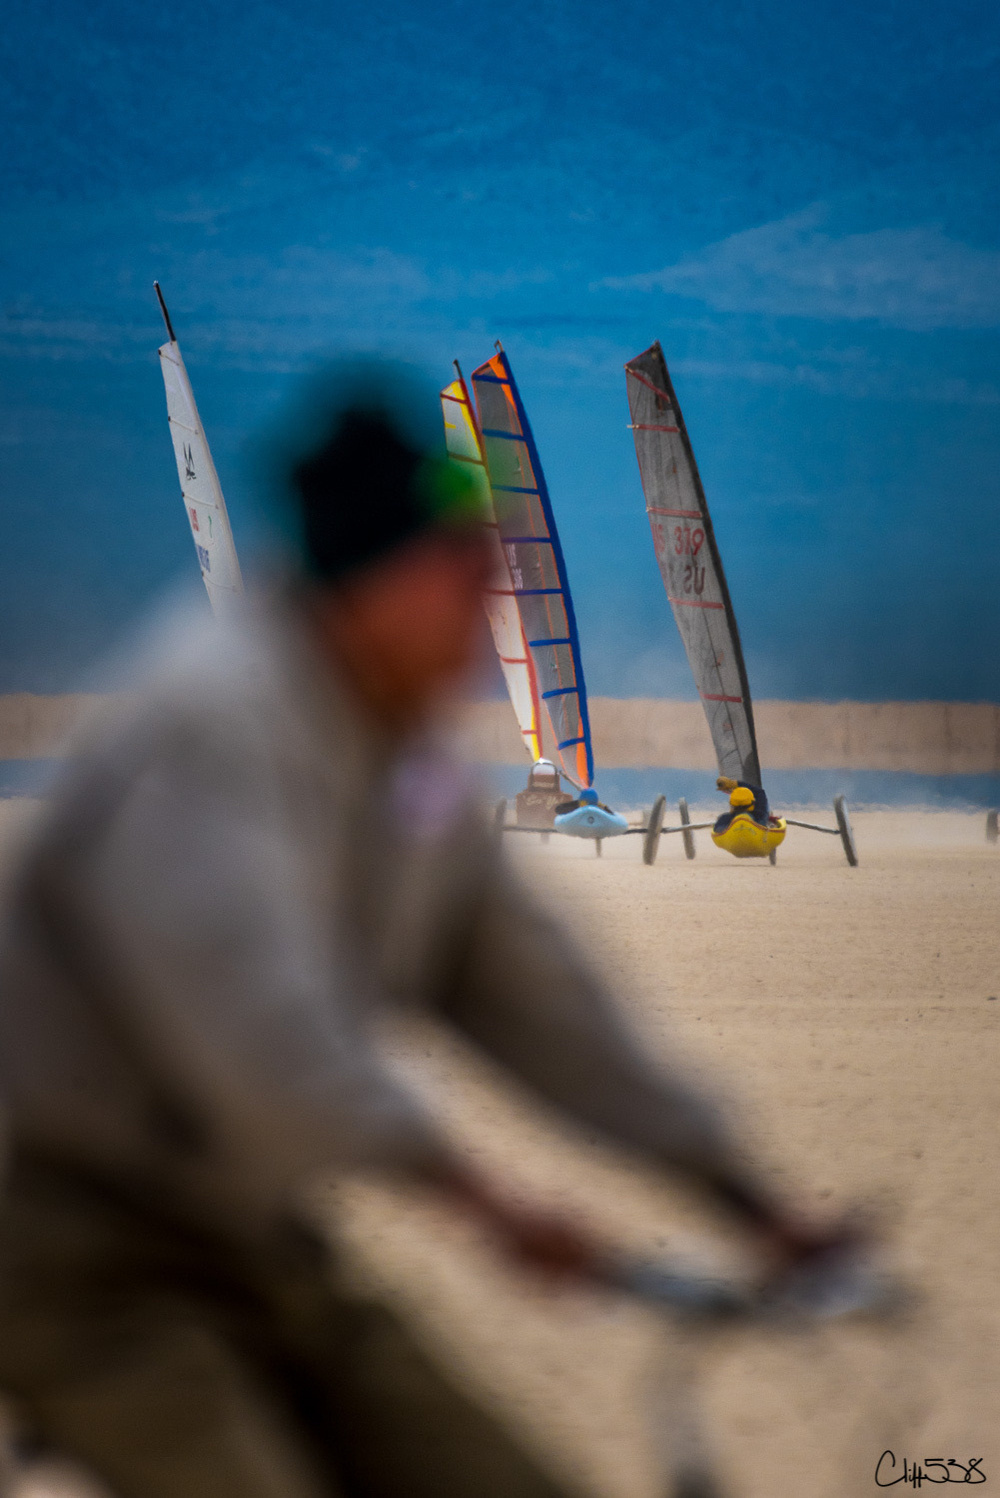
column 800, row 201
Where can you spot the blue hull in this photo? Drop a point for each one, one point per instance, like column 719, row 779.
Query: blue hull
column 592, row 822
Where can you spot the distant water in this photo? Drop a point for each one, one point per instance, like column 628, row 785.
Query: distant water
column 633, row 788
column 786, row 788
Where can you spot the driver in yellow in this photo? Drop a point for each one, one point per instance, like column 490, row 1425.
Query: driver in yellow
column 758, row 798
column 741, row 803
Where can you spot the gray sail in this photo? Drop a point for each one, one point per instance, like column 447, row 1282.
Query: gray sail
column 690, row 564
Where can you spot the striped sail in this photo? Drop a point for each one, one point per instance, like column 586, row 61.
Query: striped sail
column 690, row 564
column 203, row 502
column 465, row 446
column 534, row 557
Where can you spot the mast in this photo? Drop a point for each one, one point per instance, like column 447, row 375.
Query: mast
column 166, row 314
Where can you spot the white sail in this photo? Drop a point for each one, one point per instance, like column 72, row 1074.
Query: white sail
column 465, row 446
column 203, row 501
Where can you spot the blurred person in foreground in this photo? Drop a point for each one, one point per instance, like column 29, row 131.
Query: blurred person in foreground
column 264, row 850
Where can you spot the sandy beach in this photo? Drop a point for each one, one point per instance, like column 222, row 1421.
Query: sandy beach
column 846, row 1015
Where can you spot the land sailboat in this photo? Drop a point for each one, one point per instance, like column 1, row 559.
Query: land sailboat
column 695, row 583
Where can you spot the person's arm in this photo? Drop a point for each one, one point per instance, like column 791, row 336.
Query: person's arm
column 524, row 995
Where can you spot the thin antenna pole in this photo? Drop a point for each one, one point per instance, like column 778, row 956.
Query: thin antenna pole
column 166, row 314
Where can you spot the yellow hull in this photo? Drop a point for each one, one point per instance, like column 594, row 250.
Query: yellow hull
column 745, row 838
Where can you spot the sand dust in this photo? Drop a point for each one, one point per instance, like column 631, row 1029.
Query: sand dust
column 848, row 1012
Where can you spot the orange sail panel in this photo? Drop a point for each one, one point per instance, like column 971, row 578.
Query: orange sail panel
column 690, row 563
column 534, row 556
column 465, row 446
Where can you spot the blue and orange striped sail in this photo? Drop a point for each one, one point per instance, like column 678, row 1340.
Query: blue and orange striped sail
column 530, row 541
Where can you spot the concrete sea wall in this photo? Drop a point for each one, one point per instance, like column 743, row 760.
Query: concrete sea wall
column 927, row 738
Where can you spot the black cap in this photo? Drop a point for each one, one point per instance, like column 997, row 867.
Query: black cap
column 366, row 470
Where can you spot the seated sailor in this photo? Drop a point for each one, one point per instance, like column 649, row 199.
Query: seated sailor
column 761, row 810
column 741, row 803
column 587, row 797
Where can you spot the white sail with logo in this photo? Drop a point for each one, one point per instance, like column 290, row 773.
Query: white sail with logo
column 203, row 502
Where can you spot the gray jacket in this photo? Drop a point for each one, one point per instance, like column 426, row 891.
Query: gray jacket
column 229, row 881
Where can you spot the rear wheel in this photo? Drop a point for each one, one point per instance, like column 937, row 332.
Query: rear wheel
column 688, row 837
column 846, row 831
column 993, row 826
column 772, row 857
column 597, row 846
column 500, row 815
column 651, row 840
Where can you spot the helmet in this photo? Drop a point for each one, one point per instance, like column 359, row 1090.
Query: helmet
column 741, row 796
column 588, row 796
column 543, row 773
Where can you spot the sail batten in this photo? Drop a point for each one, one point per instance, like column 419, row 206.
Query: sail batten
column 464, row 443
column 690, row 564
column 534, row 556
column 204, row 504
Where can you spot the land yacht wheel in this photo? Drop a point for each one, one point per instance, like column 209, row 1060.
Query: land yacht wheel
column 688, row 837
column 651, row 839
column 846, row 831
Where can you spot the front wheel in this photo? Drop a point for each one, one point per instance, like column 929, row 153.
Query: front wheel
column 651, row 839
column 846, row 831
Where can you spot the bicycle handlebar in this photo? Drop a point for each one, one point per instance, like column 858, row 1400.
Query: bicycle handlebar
column 833, row 1287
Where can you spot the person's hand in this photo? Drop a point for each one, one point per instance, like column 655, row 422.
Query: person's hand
column 725, row 784
column 787, row 1238
column 545, row 1241
column 797, row 1245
